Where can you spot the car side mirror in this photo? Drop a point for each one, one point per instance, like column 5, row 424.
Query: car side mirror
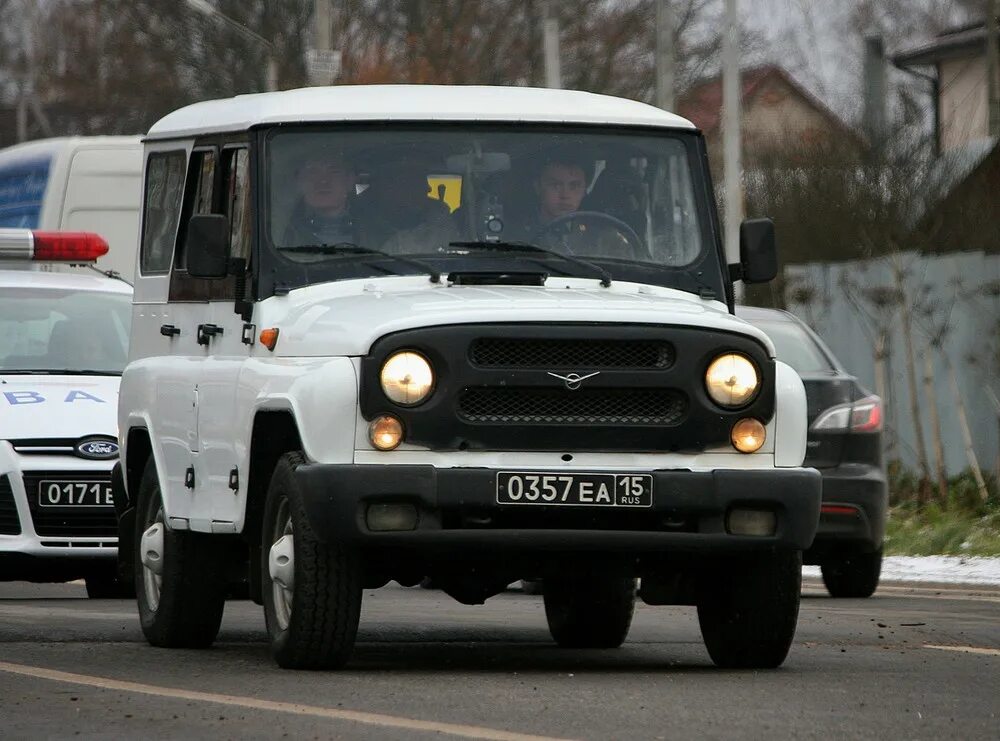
column 758, row 252
column 208, row 246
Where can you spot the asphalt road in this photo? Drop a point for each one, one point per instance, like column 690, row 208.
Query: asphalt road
column 908, row 663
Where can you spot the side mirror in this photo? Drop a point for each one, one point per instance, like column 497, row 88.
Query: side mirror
column 208, row 246
column 758, row 253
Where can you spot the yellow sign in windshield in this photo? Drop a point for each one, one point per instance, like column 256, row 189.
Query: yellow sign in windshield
column 447, row 188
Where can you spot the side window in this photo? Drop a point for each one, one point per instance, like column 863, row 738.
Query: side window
column 201, row 187
column 201, row 198
column 161, row 209
column 238, row 201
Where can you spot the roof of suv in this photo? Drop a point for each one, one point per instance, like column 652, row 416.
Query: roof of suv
column 411, row 103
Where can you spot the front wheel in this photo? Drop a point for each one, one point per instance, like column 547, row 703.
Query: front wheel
column 179, row 576
column 855, row 575
column 748, row 610
column 591, row 612
column 311, row 589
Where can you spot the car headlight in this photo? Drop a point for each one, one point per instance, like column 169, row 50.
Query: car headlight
column 732, row 380
column 407, row 378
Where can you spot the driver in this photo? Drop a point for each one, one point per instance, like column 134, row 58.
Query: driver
column 560, row 186
column 325, row 183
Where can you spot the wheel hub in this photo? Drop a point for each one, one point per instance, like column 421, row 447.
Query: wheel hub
column 151, row 548
column 281, row 562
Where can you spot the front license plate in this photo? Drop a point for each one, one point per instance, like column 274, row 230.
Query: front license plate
column 576, row 489
column 74, row 493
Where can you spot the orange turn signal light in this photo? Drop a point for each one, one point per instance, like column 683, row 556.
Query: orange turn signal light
column 748, row 435
column 385, row 432
column 269, row 338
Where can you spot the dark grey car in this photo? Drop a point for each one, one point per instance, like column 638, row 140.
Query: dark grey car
column 845, row 444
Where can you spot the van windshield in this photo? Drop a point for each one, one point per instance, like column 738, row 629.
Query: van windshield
column 64, row 331
column 344, row 202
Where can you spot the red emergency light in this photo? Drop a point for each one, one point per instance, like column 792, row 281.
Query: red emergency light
column 41, row 246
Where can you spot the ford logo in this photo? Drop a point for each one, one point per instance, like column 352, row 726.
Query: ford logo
column 97, row 449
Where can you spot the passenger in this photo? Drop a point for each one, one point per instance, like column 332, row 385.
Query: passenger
column 326, row 185
column 398, row 214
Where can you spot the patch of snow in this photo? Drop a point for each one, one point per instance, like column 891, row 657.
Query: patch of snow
column 934, row 569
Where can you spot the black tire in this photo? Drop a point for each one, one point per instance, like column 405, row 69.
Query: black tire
column 105, row 584
column 322, row 624
column 855, row 575
column 192, row 589
column 591, row 612
column 748, row 610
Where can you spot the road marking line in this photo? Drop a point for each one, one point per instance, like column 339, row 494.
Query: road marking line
column 252, row 703
column 966, row 649
column 28, row 611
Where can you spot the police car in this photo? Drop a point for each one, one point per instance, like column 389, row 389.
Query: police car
column 65, row 343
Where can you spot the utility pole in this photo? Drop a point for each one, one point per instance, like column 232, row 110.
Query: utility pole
column 550, row 35
column 993, row 64
column 322, row 61
column 665, row 55
column 731, row 135
column 876, row 90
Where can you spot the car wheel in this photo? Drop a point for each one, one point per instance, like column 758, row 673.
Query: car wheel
column 855, row 575
column 179, row 576
column 311, row 589
column 595, row 612
column 105, row 584
column 749, row 608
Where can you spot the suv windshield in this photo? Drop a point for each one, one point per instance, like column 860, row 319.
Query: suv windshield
column 350, row 202
column 64, row 331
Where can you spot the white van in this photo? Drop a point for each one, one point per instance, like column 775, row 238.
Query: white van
column 80, row 184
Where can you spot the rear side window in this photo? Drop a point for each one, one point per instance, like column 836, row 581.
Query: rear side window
column 794, row 346
column 162, row 208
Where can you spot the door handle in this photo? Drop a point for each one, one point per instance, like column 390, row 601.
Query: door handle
column 207, row 331
column 169, row 330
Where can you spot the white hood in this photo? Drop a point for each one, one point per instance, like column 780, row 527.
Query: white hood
column 36, row 406
column 347, row 317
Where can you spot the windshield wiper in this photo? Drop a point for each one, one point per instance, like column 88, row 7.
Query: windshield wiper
column 349, row 248
column 603, row 274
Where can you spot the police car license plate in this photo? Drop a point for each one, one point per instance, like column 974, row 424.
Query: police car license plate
column 576, row 489
column 64, row 493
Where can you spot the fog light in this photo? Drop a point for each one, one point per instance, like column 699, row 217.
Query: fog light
column 748, row 435
column 751, row 522
column 386, row 517
column 385, row 432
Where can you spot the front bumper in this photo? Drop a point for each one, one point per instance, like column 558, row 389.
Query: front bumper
column 60, row 555
column 855, row 507
column 457, row 510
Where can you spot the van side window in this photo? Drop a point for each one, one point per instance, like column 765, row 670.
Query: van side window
column 238, row 201
column 164, row 188
column 201, row 189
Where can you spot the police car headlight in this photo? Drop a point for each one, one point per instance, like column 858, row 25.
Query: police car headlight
column 407, row 378
column 732, row 380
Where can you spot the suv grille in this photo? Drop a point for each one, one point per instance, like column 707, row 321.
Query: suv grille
column 575, row 354
column 95, row 522
column 542, row 406
column 9, row 522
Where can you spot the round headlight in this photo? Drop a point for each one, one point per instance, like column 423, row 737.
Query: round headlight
column 407, row 378
column 732, row 380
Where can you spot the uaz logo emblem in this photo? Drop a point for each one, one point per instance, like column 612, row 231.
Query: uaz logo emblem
column 573, row 380
column 97, row 449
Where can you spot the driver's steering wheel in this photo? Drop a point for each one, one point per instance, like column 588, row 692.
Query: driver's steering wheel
column 639, row 251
